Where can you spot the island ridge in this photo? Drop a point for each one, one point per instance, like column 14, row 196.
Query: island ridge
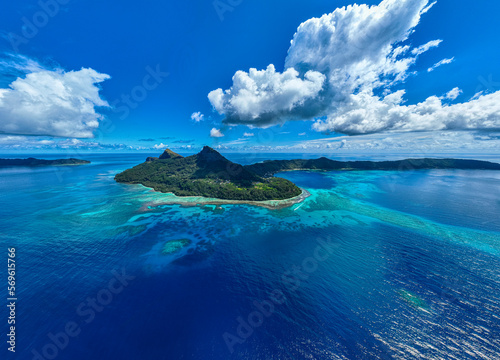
column 209, row 174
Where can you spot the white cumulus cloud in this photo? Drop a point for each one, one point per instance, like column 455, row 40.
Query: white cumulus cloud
column 341, row 69
column 160, row 146
column 263, row 97
column 197, row 116
column 51, row 101
column 216, row 133
column 453, row 94
column 370, row 114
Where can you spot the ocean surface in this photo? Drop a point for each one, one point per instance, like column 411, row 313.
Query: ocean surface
column 374, row 265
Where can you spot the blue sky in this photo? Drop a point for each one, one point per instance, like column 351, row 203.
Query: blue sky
column 128, row 46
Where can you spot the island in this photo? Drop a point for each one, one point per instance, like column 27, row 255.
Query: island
column 270, row 167
column 41, row 162
column 207, row 174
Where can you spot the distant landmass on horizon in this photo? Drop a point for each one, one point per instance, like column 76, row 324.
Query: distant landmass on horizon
column 41, row 162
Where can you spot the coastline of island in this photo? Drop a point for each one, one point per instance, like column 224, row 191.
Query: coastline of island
column 192, row 201
column 271, row 167
column 208, row 178
column 207, row 174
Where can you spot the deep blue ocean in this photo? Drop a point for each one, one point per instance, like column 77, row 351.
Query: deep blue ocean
column 373, row 265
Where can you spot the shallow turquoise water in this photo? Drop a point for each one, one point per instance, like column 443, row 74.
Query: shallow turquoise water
column 407, row 267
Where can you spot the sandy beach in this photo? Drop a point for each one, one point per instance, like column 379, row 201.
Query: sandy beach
column 189, row 201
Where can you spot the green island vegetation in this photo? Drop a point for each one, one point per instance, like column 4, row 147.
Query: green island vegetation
column 207, row 174
column 271, row 167
column 40, row 162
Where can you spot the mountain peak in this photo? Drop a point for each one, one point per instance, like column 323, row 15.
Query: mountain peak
column 169, row 154
column 210, row 154
column 208, row 149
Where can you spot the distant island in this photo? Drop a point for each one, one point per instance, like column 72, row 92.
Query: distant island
column 40, row 162
column 209, row 174
column 271, row 167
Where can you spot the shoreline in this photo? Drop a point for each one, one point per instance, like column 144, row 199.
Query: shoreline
column 191, row 201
